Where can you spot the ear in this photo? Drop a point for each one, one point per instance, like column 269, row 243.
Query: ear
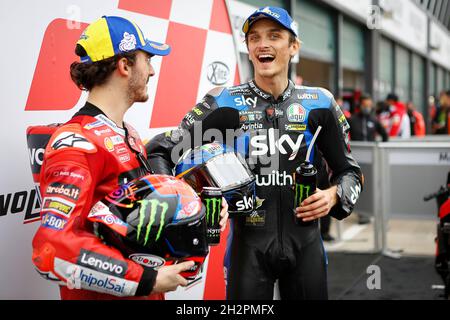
column 295, row 47
column 122, row 67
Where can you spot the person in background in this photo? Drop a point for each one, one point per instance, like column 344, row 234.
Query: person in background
column 345, row 107
column 441, row 121
column 394, row 118
column 364, row 126
column 432, row 109
column 416, row 121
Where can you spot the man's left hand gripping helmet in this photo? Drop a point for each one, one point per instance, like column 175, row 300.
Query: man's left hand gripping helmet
column 154, row 220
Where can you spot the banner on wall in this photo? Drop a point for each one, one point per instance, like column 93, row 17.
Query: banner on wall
column 439, row 45
column 406, row 22
column 36, row 89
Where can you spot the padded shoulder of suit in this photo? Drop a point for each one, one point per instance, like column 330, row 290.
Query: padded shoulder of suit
column 70, row 136
column 232, row 97
column 317, row 90
column 318, row 98
column 216, row 92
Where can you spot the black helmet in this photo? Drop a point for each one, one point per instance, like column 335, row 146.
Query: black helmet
column 154, row 220
column 217, row 165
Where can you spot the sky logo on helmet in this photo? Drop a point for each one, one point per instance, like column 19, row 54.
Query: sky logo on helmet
column 155, row 206
column 245, row 204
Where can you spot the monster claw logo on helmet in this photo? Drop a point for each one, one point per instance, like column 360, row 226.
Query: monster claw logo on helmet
column 156, row 215
column 154, row 206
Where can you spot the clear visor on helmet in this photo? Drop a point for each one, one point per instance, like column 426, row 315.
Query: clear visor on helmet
column 225, row 171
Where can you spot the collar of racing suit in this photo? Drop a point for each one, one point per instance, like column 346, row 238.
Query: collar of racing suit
column 91, row 110
column 267, row 96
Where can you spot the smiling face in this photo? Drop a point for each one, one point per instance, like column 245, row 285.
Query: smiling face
column 270, row 48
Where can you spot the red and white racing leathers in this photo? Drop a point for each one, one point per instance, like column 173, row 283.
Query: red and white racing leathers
column 395, row 121
column 85, row 159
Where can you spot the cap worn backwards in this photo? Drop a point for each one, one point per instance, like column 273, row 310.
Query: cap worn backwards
column 111, row 35
column 276, row 14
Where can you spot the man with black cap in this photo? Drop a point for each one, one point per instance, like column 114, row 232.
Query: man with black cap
column 91, row 156
column 277, row 123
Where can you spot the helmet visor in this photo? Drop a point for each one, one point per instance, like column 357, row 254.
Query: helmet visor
column 226, row 171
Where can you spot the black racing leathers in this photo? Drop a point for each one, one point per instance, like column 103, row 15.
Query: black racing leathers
column 274, row 136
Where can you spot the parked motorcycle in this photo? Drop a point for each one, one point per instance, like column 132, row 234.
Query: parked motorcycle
column 442, row 261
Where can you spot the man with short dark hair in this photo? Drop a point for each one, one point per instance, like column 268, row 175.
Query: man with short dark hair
column 91, row 156
column 395, row 119
column 364, row 126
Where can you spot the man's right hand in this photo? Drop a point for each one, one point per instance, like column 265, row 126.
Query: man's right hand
column 168, row 278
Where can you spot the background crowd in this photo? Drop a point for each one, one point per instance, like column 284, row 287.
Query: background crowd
column 390, row 118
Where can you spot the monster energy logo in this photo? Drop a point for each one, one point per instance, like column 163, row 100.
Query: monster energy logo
column 301, row 193
column 155, row 205
column 213, row 206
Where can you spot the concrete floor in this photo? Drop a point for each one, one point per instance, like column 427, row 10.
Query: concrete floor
column 408, row 237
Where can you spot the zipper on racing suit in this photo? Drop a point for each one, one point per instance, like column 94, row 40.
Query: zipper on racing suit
column 275, row 124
